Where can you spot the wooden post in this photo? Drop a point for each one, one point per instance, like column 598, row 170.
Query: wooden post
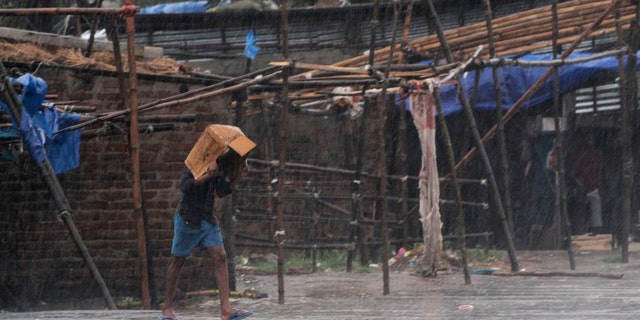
column 134, row 149
column 94, row 26
column 631, row 84
column 560, row 194
column 228, row 217
column 356, row 203
column 284, row 132
column 15, row 107
column 381, row 103
column 402, row 141
column 504, row 156
column 356, row 190
column 485, row 159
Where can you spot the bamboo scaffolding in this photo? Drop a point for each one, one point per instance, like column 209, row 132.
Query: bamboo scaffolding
column 535, row 24
column 516, row 106
column 479, row 143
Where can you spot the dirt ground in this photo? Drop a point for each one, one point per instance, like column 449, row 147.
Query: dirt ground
column 600, row 287
column 310, row 289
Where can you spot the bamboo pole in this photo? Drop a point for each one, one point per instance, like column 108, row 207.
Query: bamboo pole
column 497, row 62
column 479, row 144
column 92, row 35
column 134, row 150
column 628, row 163
column 284, row 132
column 15, row 106
column 124, row 11
column 561, row 194
column 117, row 58
column 356, row 203
column 402, row 143
column 182, row 98
column 88, row 134
column 504, row 157
column 616, row 221
column 444, row 130
column 356, row 189
column 228, row 219
column 268, row 142
column 516, row 106
column 382, row 157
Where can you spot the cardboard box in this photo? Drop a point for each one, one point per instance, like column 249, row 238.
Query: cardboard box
column 215, row 141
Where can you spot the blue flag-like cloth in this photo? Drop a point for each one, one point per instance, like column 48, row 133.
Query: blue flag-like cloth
column 250, row 49
column 33, row 125
column 37, row 127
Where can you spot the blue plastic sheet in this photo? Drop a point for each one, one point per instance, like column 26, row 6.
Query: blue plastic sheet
column 37, row 127
column 515, row 81
column 178, row 7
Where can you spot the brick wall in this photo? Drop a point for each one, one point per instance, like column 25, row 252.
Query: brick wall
column 39, row 260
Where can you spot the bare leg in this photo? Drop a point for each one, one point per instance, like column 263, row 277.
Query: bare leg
column 219, row 258
column 172, row 282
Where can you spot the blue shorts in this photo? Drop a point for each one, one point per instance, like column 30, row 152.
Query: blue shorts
column 186, row 238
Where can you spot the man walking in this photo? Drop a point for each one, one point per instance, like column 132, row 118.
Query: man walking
column 195, row 225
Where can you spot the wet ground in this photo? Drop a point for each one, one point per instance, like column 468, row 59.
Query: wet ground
column 339, row 295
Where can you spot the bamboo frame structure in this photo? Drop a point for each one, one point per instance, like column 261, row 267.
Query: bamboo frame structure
column 376, row 75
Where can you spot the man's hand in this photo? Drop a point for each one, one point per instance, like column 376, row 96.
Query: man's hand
column 240, row 172
column 212, row 171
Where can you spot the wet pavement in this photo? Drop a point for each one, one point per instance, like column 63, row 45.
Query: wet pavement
column 339, row 295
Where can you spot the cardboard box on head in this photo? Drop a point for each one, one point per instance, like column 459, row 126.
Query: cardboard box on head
column 216, row 140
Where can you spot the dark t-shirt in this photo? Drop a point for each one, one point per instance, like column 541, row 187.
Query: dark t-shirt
column 196, row 202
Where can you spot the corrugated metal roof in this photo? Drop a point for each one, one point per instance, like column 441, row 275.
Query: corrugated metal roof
column 222, row 34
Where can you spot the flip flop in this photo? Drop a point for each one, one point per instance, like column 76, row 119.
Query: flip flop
column 236, row 316
column 167, row 318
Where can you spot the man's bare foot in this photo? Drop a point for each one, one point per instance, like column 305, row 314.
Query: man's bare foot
column 237, row 314
column 168, row 314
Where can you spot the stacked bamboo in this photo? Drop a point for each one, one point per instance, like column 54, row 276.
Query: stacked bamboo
column 526, row 31
column 514, row 34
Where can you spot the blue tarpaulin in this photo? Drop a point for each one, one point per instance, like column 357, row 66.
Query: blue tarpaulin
column 178, row 7
column 38, row 126
column 515, row 81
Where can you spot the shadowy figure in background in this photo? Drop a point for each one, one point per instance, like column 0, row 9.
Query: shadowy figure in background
column 195, row 225
column 586, row 163
column 577, row 204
